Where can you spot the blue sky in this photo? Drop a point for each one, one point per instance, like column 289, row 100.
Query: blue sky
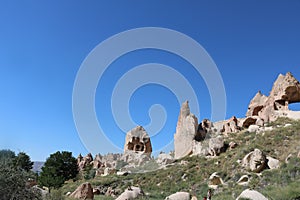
column 43, row 44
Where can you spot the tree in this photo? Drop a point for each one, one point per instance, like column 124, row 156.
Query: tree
column 13, row 179
column 58, row 168
column 23, row 161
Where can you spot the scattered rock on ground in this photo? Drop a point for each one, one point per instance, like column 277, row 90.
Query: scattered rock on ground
column 252, row 195
column 273, row 163
column 255, row 161
column 179, row 196
column 131, row 193
column 84, row 191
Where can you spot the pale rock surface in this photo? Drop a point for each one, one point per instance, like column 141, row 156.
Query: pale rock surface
column 138, row 140
column 244, row 180
column 253, row 128
column 285, row 90
column 252, row 195
column 179, row 196
column 215, row 180
column 273, row 163
column 164, row 159
column 255, row 161
column 84, row 191
column 230, row 126
column 132, row 193
column 186, row 130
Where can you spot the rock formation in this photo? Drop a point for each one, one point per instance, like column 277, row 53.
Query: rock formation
column 252, row 195
column 186, row 131
column 131, row 193
column 286, row 90
column 255, row 161
column 231, row 126
column 138, row 140
column 84, row 191
column 179, row 196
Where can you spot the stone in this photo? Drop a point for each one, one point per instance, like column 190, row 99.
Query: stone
column 285, row 90
column 131, row 193
column 204, row 128
column 216, row 146
column 194, row 198
column 123, row 173
column 252, row 195
column 108, row 171
column 179, row 196
column 232, row 145
column 135, row 158
column 164, row 159
column 230, row 126
column 186, row 130
column 273, row 163
column 244, row 180
column 256, row 104
column 298, row 156
column 215, row 180
column 253, row 128
column 255, row 161
column 138, row 140
column 84, row 191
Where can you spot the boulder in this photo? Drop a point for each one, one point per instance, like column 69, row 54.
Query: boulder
column 186, row 130
column 253, row 128
column 252, row 195
column 216, row 146
column 138, row 140
column 244, row 180
column 131, row 193
column 273, row 163
column 255, row 161
column 232, row 145
column 84, row 191
column 230, row 126
column 164, row 159
column 215, row 180
column 179, row 196
column 256, row 104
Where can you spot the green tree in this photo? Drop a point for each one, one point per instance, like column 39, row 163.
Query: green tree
column 58, row 168
column 23, row 161
column 13, row 179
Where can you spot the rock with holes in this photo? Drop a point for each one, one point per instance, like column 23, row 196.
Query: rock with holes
column 84, row 191
column 244, row 180
column 179, row 196
column 186, row 130
column 230, row 126
column 255, row 161
column 215, row 180
column 138, row 140
column 285, row 90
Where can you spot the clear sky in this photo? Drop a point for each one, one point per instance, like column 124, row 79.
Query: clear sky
column 44, row 43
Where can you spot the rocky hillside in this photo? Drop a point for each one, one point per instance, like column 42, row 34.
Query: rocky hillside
column 267, row 161
column 256, row 157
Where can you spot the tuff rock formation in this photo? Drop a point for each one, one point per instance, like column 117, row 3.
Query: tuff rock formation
column 131, row 193
column 230, row 126
column 84, row 191
column 193, row 139
column 255, row 161
column 138, row 140
column 286, row 90
column 179, row 196
column 186, row 131
column 252, row 195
